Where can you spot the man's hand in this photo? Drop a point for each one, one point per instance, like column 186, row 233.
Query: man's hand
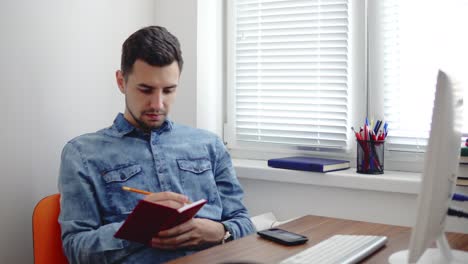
column 169, row 199
column 191, row 234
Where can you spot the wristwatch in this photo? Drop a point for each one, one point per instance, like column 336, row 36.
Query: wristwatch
column 227, row 234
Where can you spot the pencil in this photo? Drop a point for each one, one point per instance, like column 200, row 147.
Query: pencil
column 125, row 188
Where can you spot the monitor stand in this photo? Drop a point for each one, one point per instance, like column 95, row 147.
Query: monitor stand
column 440, row 255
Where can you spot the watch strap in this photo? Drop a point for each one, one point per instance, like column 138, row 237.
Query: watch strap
column 227, row 234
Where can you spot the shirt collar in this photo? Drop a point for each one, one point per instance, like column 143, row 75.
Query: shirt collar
column 122, row 127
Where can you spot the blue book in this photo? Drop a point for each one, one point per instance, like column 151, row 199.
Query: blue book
column 309, row 164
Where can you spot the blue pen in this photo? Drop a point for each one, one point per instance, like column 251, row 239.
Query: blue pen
column 377, row 126
column 385, row 128
column 366, row 129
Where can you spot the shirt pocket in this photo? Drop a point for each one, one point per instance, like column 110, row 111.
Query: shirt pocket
column 118, row 200
column 197, row 179
column 122, row 174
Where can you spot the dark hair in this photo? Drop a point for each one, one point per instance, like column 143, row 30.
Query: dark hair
column 154, row 45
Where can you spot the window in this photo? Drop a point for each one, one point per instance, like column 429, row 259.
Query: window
column 294, row 70
column 406, row 54
column 290, row 73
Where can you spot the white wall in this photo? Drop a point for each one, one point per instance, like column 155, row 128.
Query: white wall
column 210, row 70
column 57, row 64
column 290, row 200
column 198, row 26
column 180, row 18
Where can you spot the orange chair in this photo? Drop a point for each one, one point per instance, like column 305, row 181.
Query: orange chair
column 46, row 232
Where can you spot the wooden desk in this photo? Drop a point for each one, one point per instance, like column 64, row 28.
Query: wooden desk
column 253, row 249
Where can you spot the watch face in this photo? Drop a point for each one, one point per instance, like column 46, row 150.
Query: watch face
column 227, row 236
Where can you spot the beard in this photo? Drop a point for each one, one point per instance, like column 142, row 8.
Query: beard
column 147, row 126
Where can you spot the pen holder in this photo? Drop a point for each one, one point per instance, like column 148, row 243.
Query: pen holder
column 370, row 156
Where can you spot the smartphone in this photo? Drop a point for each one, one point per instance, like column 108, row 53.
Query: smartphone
column 282, row 236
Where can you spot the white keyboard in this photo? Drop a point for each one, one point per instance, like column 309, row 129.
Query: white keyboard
column 339, row 249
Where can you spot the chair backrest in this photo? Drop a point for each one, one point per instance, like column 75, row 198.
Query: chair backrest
column 46, row 232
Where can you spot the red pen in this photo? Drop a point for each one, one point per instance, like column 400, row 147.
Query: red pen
column 358, row 135
column 381, row 136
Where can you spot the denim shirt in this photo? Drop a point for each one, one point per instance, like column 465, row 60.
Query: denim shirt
column 172, row 158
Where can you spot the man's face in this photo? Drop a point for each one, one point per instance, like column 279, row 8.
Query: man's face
column 149, row 93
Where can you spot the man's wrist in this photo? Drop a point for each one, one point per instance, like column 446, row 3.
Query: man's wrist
column 227, row 234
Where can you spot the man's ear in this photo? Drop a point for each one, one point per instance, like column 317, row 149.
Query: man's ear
column 120, row 81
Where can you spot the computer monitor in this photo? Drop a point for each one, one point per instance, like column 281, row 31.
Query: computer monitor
column 438, row 180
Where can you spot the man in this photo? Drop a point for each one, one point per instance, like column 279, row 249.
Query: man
column 145, row 150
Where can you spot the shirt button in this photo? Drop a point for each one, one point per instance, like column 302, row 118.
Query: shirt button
column 122, row 176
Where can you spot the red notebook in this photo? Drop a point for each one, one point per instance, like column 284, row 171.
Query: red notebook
column 148, row 218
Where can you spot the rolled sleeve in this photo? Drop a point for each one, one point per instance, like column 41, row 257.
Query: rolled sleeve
column 235, row 215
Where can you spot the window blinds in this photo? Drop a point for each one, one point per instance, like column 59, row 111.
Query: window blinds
column 411, row 52
column 291, row 72
column 409, row 125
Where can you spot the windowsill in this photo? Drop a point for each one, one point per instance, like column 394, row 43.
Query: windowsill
column 390, row 181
